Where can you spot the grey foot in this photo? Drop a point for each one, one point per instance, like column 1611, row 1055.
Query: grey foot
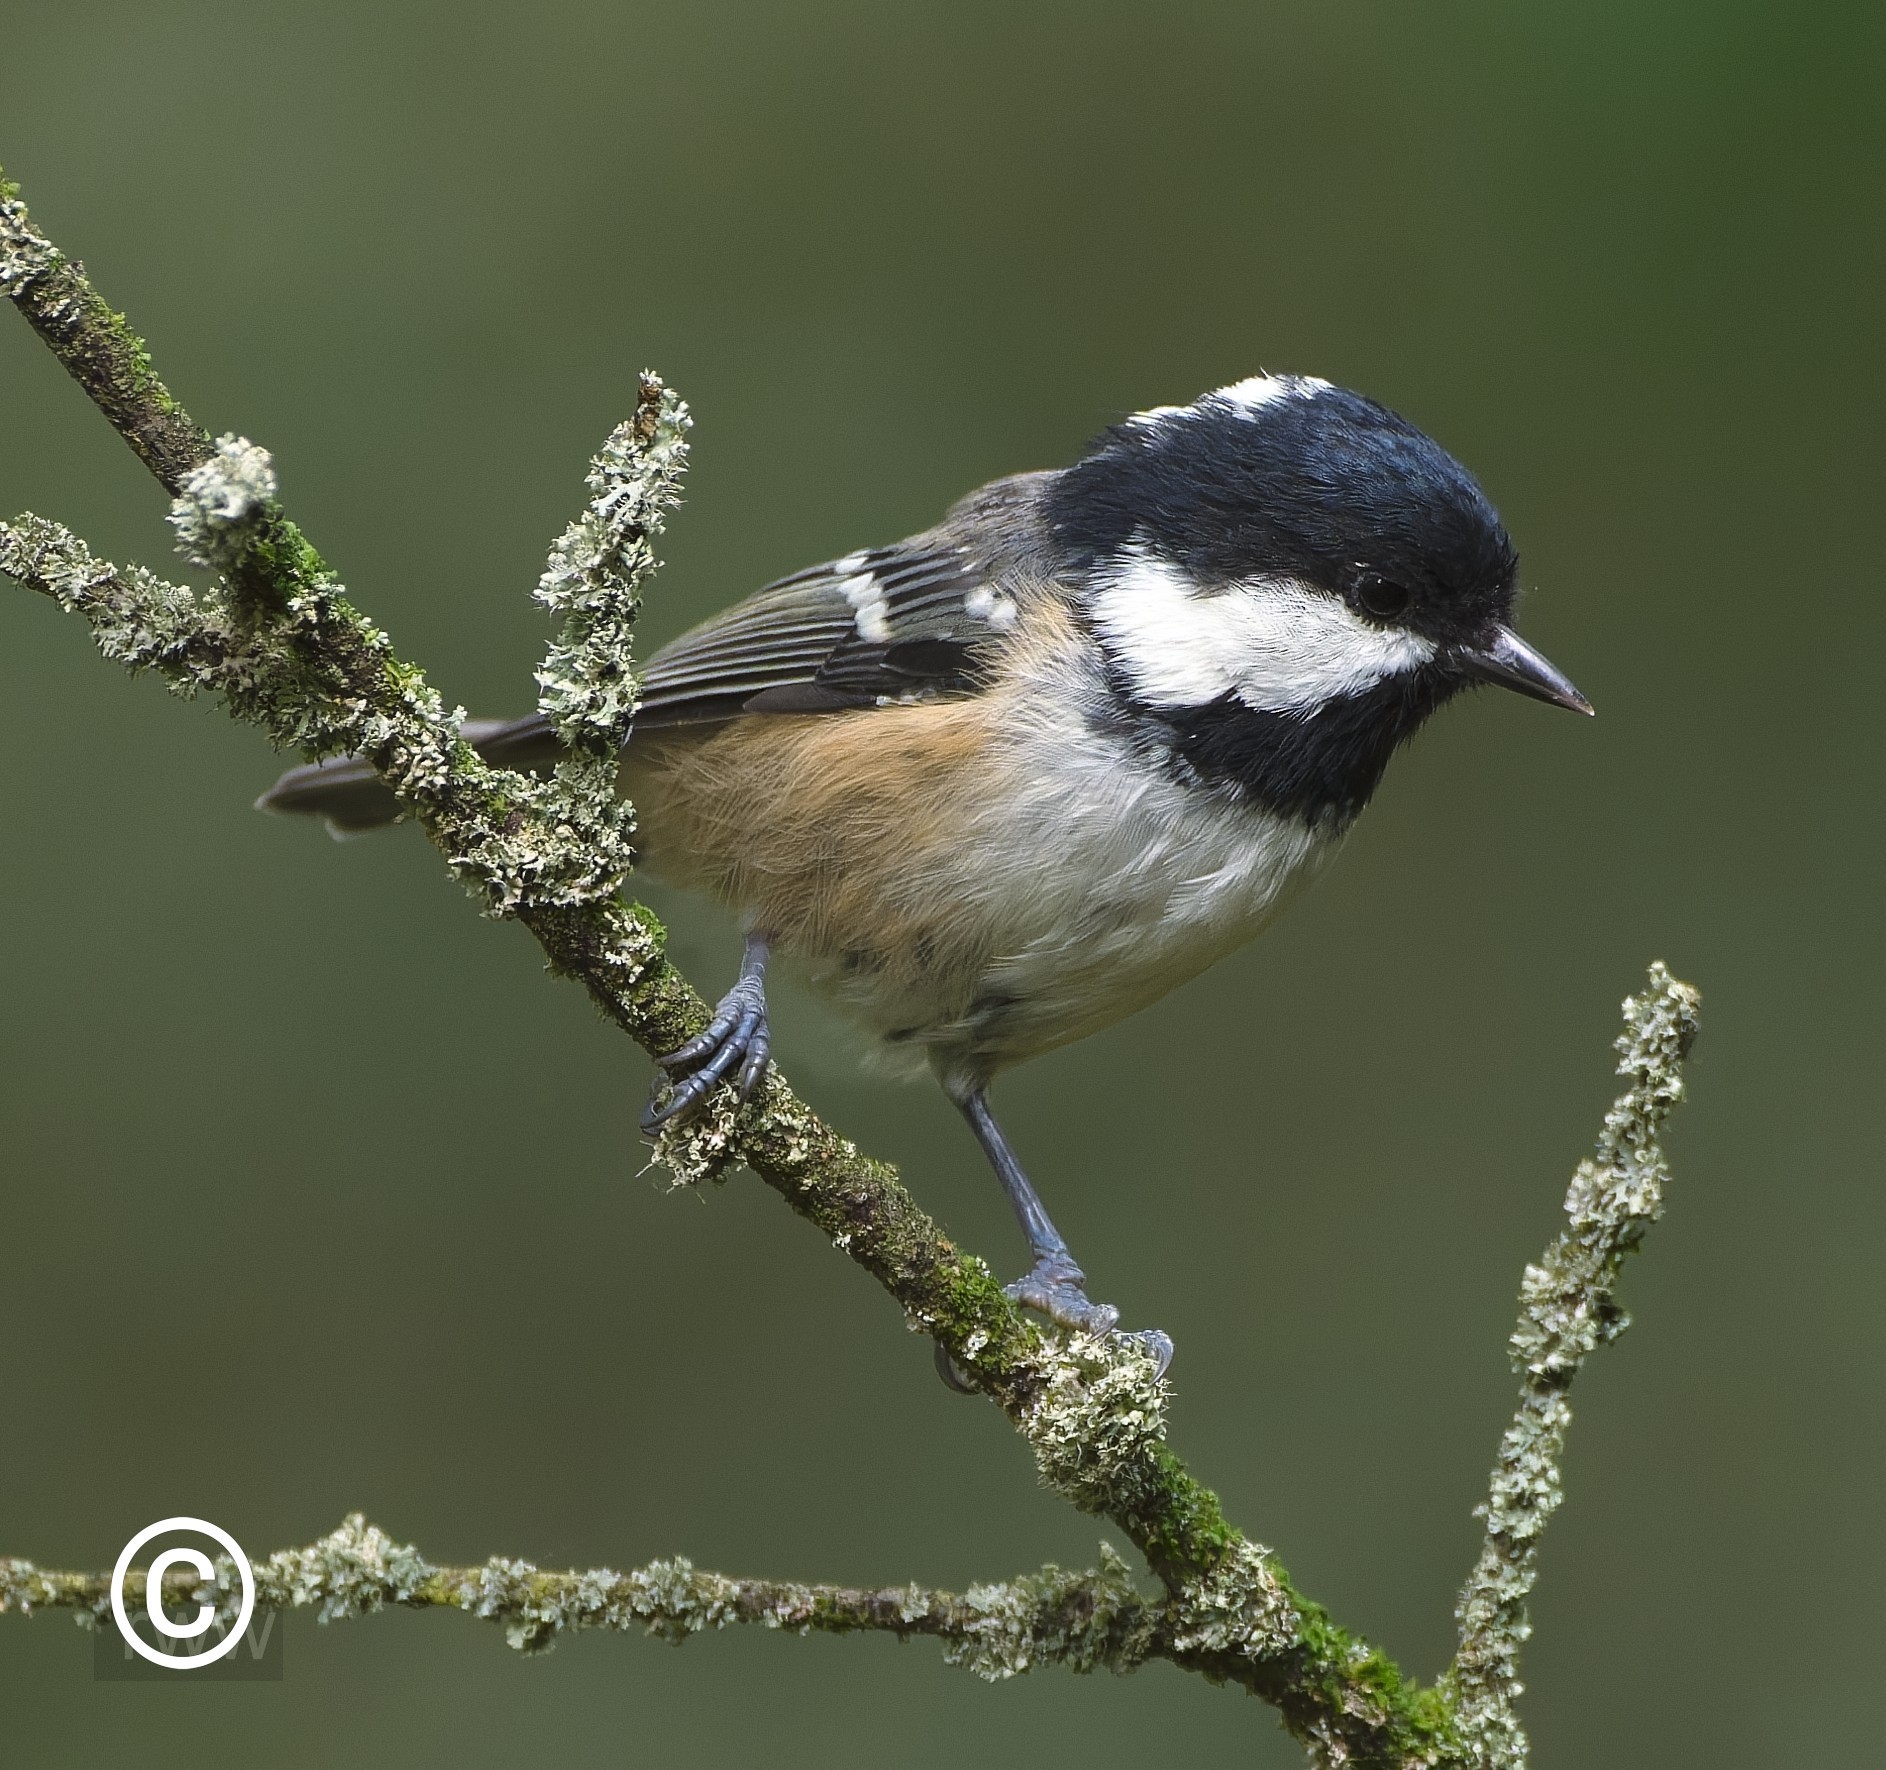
column 1057, row 1289
column 736, row 1037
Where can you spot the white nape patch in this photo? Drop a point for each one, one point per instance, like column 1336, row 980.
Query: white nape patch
column 1249, row 396
column 866, row 596
column 991, row 606
column 1278, row 645
column 1156, row 415
column 1255, row 392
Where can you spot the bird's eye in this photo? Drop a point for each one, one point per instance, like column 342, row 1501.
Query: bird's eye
column 1382, row 599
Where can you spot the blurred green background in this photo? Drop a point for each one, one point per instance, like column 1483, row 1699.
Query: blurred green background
column 318, row 1196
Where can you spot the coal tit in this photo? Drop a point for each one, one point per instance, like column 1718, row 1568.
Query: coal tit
column 999, row 785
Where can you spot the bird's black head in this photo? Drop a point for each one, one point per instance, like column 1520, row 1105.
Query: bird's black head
column 1285, row 567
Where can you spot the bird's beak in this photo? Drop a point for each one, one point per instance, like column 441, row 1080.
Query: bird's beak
column 1512, row 663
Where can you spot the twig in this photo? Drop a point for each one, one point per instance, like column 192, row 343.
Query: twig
column 1567, row 1309
column 1084, row 1621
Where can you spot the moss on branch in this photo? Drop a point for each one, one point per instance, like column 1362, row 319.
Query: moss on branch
column 97, row 346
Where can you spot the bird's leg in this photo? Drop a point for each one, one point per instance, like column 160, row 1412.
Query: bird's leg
column 738, row 1034
column 1054, row 1286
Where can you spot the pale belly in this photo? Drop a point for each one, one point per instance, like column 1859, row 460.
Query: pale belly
column 1094, row 902
column 978, row 882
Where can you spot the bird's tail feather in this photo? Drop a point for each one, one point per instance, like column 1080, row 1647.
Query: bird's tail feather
column 352, row 798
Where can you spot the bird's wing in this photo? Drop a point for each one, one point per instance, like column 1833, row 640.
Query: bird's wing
column 910, row 622
column 919, row 621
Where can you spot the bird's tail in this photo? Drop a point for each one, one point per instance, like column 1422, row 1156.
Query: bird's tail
column 353, row 799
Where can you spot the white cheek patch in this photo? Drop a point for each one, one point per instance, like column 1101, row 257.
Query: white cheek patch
column 1278, row 645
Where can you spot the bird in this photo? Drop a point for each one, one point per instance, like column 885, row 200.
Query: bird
column 999, row 785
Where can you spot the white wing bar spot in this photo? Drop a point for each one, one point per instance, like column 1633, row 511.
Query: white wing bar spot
column 866, row 596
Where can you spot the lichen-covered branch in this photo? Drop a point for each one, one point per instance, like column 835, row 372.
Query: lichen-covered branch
column 277, row 637
column 595, row 573
column 1567, row 1308
column 98, row 348
column 1083, row 1621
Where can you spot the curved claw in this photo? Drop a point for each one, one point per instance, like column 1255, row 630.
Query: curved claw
column 1157, row 1342
column 951, row 1372
column 686, row 1097
column 690, row 1091
column 737, row 1036
column 759, row 1058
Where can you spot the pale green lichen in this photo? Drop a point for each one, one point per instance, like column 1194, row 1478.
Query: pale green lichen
column 1242, row 1609
column 1083, row 1621
column 24, row 1588
column 222, row 504
column 564, row 845
column 593, row 581
column 669, row 1599
column 596, row 568
column 1096, row 1418
column 701, row 1146
column 25, row 253
column 352, row 1571
column 136, row 618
